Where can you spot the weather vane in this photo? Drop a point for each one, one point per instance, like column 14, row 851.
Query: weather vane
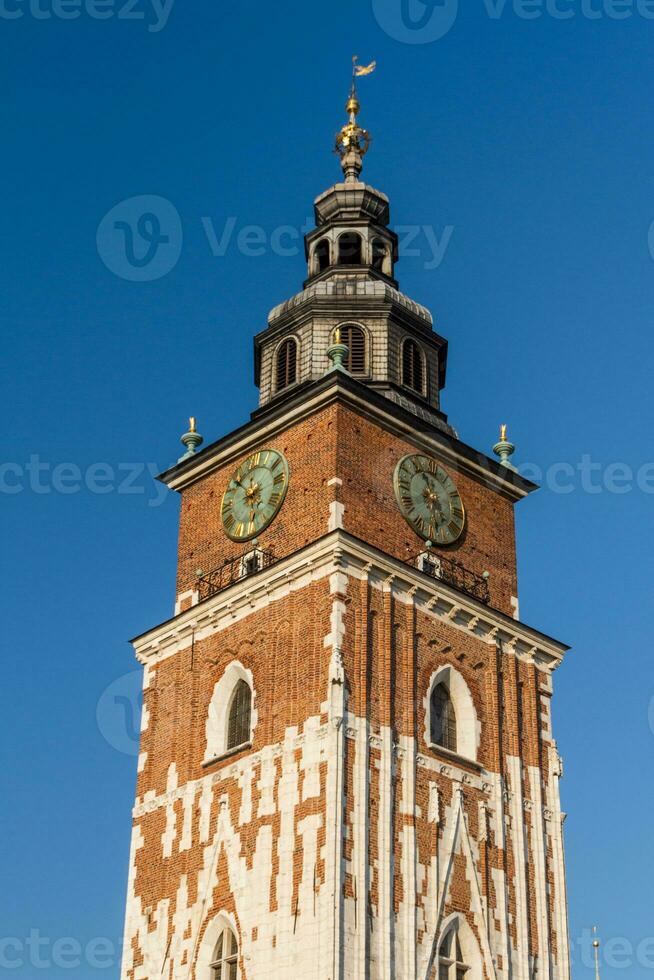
column 353, row 142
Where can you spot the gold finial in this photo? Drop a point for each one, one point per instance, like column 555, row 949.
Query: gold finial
column 353, row 142
column 337, row 335
column 191, row 439
column 504, row 449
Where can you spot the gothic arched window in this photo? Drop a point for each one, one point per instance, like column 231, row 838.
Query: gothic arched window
column 225, row 958
column 238, row 720
column 321, row 256
column 287, row 364
column 413, row 366
column 450, row 958
column 442, row 722
column 354, row 338
column 349, row 249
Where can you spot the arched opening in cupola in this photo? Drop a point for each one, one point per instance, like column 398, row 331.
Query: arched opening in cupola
column 321, row 258
column 349, row 249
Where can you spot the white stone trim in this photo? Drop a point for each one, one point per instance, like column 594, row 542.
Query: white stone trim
column 539, row 853
column 558, row 863
column 516, row 810
column 338, row 550
column 191, row 594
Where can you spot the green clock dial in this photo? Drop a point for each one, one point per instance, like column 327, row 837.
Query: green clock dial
column 429, row 500
column 254, row 495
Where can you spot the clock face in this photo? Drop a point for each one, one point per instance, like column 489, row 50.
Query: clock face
column 254, row 495
column 429, row 499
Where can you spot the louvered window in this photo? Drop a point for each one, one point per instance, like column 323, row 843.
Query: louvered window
column 225, row 957
column 413, row 367
column 443, row 718
column 354, row 338
column 287, row 364
column 238, row 725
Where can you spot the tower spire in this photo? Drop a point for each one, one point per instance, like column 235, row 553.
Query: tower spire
column 596, row 947
column 352, row 141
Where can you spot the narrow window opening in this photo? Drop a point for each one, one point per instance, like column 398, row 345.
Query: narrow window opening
column 238, row 725
column 443, row 719
column 287, row 364
column 354, row 337
column 413, row 368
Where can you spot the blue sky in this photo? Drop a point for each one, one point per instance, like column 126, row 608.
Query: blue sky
column 523, row 144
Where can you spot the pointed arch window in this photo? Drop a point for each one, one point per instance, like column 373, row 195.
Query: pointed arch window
column 451, row 965
column 239, row 718
column 442, row 719
column 287, row 364
column 413, row 366
column 225, row 958
column 354, row 337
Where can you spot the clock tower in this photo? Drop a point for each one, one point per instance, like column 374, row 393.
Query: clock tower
column 347, row 768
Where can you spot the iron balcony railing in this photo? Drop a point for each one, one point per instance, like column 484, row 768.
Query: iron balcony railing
column 233, row 570
column 436, row 566
column 453, row 573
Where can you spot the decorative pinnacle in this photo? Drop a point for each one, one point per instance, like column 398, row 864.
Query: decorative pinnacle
column 191, row 439
column 337, row 353
column 504, row 449
column 353, row 142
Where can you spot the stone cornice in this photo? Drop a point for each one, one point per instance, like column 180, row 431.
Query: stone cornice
column 269, row 422
column 370, row 291
column 339, row 551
